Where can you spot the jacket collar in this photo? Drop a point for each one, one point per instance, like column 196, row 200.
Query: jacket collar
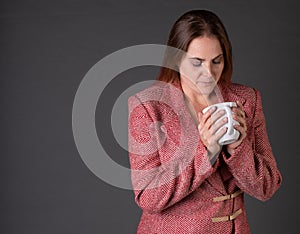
column 230, row 93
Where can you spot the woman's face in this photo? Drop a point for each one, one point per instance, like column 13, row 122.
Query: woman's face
column 202, row 66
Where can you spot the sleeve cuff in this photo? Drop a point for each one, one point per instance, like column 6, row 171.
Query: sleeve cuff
column 239, row 155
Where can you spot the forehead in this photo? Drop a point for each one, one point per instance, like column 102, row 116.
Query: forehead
column 204, row 47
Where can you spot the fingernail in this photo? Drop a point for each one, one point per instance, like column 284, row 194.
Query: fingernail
column 212, row 109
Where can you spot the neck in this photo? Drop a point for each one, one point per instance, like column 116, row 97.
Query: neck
column 199, row 102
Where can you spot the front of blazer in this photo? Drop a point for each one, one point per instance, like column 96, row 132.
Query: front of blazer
column 174, row 182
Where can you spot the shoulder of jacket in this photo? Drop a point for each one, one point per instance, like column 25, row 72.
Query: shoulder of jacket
column 153, row 92
column 243, row 90
column 158, row 91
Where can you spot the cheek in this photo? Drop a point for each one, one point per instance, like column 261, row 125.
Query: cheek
column 187, row 71
column 218, row 71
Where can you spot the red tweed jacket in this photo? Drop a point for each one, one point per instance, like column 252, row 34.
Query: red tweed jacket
column 175, row 184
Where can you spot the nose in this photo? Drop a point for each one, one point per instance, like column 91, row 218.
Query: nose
column 207, row 70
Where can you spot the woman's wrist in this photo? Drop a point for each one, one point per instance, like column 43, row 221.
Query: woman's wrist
column 232, row 147
column 213, row 152
column 228, row 151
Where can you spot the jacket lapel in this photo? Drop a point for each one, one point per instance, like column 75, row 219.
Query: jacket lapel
column 228, row 94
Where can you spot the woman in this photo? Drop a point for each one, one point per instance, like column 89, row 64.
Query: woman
column 183, row 179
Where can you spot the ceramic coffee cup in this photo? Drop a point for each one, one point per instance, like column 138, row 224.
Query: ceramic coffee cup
column 231, row 134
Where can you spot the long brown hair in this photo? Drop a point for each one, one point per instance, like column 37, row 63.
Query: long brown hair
column 190, row 25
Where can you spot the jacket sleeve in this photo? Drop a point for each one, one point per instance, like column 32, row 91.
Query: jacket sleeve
column 252, row 163
column 164, row 169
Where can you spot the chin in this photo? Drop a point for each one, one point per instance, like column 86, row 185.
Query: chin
column 206, row 90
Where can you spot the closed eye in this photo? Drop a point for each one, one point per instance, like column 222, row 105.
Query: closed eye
column 196, row 62
column 217, row 60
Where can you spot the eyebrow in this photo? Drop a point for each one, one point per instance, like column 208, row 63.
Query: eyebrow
column 200, row 59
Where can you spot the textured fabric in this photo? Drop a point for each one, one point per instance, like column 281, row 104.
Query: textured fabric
column 175, row 183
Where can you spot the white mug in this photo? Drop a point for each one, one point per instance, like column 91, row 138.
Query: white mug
column 232, row 134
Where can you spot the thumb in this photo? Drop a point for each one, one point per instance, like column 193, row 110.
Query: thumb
column 200, row 115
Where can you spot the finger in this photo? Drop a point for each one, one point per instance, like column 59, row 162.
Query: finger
column 237, row 117
column 213, row 139
column 213, row 119
column 239, row 111
column 242, row 130
column 240, row 119
column 203, row 117
column 200, row 115
column 219, row 134
column 219, row 124
column 240, row 105
column 210, row 135
column 208, row 113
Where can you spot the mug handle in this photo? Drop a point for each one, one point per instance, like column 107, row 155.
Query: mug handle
column 230, row 120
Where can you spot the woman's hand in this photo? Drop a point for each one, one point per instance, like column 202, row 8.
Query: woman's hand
column 239, row 115
column 208, row 130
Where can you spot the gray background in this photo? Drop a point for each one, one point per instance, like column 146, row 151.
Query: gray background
column 46, row 48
